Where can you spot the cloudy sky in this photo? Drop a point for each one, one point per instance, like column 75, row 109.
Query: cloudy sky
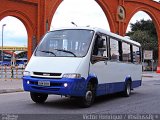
column 81, row 12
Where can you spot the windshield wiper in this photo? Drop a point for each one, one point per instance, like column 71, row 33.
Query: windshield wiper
column 66, row 51
column 48, row 52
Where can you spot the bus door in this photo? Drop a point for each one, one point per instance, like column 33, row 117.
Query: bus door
column 99, row 59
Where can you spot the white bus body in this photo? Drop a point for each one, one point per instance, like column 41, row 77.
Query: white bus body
column 84, row 63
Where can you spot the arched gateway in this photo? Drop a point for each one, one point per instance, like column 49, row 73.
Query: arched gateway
column 37, row 15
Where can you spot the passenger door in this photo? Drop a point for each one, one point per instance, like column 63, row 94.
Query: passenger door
column 98, row 64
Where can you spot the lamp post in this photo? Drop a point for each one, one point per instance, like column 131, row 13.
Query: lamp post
column 74, row 24
column 2, row 48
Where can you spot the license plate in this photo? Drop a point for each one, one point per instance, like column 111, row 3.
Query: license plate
column 44, row 83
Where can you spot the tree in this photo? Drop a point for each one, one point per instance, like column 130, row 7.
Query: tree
column 145, row 33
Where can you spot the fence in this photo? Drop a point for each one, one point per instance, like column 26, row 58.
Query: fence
column 11, row 73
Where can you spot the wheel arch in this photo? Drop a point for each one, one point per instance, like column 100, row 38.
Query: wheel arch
column 93, row 79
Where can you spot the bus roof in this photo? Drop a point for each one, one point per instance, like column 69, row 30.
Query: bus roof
column 125, row 39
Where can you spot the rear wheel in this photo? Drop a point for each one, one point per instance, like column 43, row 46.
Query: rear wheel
column 38, row 97
column 88, row 99
column 127, row 90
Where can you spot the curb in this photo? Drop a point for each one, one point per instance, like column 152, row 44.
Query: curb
column 150, row 76
column 10, row 90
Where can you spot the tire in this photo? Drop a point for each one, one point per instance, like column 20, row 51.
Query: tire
column 127, row 90
column 88, row 99
column 38, row 97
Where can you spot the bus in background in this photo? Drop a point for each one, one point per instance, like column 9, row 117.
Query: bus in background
column 83, row 62
column 5, row 63
column 21, row 62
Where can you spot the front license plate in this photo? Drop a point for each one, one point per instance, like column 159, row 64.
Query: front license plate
column 44, row 83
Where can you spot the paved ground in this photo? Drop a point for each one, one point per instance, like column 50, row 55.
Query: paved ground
column 150, row 76
column 8, row 86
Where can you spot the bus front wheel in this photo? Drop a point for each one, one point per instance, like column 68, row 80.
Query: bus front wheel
column 88, row 99
column 38, row 97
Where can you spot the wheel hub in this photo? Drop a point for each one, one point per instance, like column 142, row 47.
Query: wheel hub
column 128, row 89
column 89, row 96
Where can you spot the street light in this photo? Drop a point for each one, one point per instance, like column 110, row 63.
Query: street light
column 2, row 42
column 74, row 24
column 2, row 48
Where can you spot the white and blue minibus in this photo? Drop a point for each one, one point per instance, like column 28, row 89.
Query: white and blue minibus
column 83, row 62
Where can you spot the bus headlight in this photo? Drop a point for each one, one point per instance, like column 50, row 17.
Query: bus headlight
column 26, row 73
column 72, row 75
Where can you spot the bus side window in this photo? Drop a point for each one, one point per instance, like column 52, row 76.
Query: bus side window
column 126, row 52
column 114, row 50
column 99, row 49
column 136, row 55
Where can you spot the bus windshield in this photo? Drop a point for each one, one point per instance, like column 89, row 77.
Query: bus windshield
column 65, row 43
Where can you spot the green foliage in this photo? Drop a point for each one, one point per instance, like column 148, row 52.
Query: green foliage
column 145, row 33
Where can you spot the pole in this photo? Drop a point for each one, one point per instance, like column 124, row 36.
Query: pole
column 143, row 62
column 2, row 49
column 152, row 64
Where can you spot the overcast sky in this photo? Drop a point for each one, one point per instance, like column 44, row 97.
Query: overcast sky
column 82, row 12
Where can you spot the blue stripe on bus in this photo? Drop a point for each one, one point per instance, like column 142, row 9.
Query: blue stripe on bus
column 76, row 87
column 109, row 88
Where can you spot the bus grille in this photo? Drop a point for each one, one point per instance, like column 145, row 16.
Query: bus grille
column 47, row 74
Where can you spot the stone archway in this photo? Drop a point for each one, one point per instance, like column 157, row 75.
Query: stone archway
column 107, row 11
column 51, row 9
column 133, row 7
column 37, row 15
column 83, row 17
column 126, row 9
column 27, row 23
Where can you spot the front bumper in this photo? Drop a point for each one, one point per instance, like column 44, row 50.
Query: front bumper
column 76, row 87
